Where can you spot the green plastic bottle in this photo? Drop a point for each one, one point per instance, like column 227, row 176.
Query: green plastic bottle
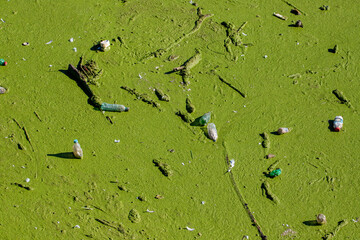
column 113, row 107
column 204, row 119
column 275, row 173
column 2, row 62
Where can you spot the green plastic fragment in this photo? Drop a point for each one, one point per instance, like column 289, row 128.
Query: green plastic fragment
column 204, row 119
column 275, row 173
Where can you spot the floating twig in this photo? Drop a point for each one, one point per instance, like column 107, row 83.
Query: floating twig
column 118, row 227
column 22, row 186
column 184, row 116
column 187, row 66
column 242, row 200
column 340, row 95
column 265, row 186
column 163, row 167
column 161, row 95
column 233, row 37
column 37, row 115
column 229, row 84
column 85, row 74
column 340, row 225
column 198, row 24
column 272, row 167
column 142, row 97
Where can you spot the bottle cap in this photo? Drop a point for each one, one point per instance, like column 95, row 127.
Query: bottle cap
column 337, row 129
column 76, row 141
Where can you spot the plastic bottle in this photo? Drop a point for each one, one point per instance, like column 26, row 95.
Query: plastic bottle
column 113, row 107
column 3, row 62
column 283, row 130
column 275, row 173
column 204, row 119
column 338, row 123
column 78, row 152
column 212, row 132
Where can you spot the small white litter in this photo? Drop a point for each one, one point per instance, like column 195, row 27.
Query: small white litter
column 49, row 42
column 190, row 229
column 117, row 141
column 71, row 40
column 27, row 180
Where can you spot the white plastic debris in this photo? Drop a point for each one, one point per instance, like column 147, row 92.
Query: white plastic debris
column 71, row 40
column 190, row 229
column 147, row 210
column 75, row 49
column 202, row 202
column 49, row 42
column 2, row 20
column 76, row 226
column 244, row 34
column 265, row 56
column 117, row 141
column 27, row 180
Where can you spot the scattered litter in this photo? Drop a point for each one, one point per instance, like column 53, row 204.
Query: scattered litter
column 50, row 65
column 190, row 229
column 2, row 20
column 147, row 210
column 265, row 56
column 204, row 119
column 323, row 8
column 78, row 152
column 212, row 132
column 2, row 62
column 202, row 202
column 278, row 15
column 270, row 156
column 75, row 50
column 105, row 45
column 295, row 11
column 275, row 173
column 76, row 226
column 231, row 164
column 25, row 44
column 117, row 141
column 338, row 123
column 183, row 164
column 71, row 40
column 27, row 180
column 49, row 42
column 244, row 34
column 281, row 131
column 298, row 24
column 2, row 90
column 24, row 59
column 113, row 107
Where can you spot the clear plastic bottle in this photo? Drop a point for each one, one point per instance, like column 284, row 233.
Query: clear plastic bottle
column 204, row 119
column 338, row 123
column 212, row 132
column 78, row 152
column 113, row 107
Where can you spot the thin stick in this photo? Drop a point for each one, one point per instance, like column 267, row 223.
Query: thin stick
column 291, row 5
column 242, row 200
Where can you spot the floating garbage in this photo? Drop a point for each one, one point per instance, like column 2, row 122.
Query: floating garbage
column 231, row 164
column 275, row 173
column 78, row 152
column 321, row 219
column 2, row 90
column 338, row 123
column 278, row 15
column 25, row 44
column 298, row 24
column 212, row 132
column 281, row 131
column 2, row 62
column 105, row 45
column 190, row 229
column 113, row 107
column 204, row 119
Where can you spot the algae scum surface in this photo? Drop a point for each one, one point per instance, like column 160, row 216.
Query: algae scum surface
column 165, row 179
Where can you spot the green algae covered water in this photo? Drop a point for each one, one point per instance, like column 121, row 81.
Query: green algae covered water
column 256, row 73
